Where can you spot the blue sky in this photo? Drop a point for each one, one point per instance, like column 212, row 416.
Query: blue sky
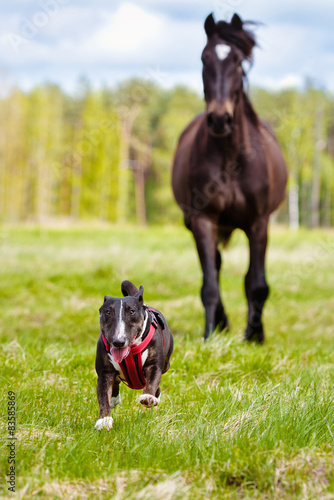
column 160, row 40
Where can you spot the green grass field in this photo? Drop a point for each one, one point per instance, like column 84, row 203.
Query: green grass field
column 235, row 420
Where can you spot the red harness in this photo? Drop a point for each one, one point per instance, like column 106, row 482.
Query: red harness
column 131, row 366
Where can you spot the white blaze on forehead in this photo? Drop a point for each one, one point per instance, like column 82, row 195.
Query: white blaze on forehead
column 121, row 325
column 222, row 51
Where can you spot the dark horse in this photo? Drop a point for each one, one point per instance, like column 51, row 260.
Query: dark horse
column 229, row 173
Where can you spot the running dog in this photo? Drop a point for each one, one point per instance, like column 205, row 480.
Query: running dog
column 134, row 346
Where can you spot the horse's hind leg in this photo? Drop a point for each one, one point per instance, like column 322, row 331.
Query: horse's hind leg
column 221, row 320
column 256, row 286
column 205, row 234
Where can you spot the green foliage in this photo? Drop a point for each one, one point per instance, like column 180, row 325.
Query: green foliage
column 303, row 123
column 60, row 156
column 180, row 108
column 235, row 420
column 107, row 154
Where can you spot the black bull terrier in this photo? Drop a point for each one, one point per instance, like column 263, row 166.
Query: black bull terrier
column 135, row 346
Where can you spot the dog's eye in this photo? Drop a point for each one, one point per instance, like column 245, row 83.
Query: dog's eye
column 132, row 312
column 108, row 312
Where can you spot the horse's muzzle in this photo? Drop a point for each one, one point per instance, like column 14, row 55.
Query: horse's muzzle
column 220, row 125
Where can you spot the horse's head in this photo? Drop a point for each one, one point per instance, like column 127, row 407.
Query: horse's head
column 228, row 44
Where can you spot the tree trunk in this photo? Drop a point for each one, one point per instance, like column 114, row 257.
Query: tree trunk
column 139, row 176
column 293, row 206
column 76, row 181
column 126, row 117
column 316, row 170
column 327, row 217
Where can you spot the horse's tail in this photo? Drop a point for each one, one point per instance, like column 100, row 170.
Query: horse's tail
column 225, row 236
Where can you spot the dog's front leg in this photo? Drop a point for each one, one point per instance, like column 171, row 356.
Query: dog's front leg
column 115, row 395
column 104, row 389
column 151, row 392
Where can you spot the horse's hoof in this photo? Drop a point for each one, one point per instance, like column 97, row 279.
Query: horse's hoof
column 221, row 326
column 224, row 326
column 253, row 336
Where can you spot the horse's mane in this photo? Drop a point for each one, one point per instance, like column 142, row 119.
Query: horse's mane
column 249, row 110
column 243, row 39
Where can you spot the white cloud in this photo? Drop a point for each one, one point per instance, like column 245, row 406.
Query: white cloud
column 129, row 32
column 106, row 41
column 133, row 36
column 290, row 53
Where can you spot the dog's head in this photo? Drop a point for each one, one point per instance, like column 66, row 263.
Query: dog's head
column 122, row 320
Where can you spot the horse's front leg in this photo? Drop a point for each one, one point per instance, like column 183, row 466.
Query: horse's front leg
column 205, row 233
column 256, row 286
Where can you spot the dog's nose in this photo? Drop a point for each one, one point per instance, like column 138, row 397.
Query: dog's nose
column 118, row 343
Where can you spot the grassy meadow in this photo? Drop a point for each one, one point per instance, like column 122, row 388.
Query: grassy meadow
column 235, row 420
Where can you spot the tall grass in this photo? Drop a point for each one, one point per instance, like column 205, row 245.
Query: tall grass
column 235, row 420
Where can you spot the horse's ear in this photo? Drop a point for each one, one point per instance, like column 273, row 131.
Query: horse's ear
column 236, row 22
column 210, row 25
column 128, row 288
column 140, row 295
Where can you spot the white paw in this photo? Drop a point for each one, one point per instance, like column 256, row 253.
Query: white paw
column 115, row 401
column 104, row 423
column 149, row 400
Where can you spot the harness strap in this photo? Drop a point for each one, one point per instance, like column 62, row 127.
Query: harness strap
column 136, row 349
column 131, row 366
column 161, row 323
column 132, row 369
column 106, row 343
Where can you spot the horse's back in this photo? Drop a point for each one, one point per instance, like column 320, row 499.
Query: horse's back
column 276, row 166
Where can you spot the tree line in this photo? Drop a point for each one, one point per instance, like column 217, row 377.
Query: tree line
column 106, row 154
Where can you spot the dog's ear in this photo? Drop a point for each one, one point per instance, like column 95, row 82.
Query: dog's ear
column 140, row 295
column 128, row 289
column 106, row 298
